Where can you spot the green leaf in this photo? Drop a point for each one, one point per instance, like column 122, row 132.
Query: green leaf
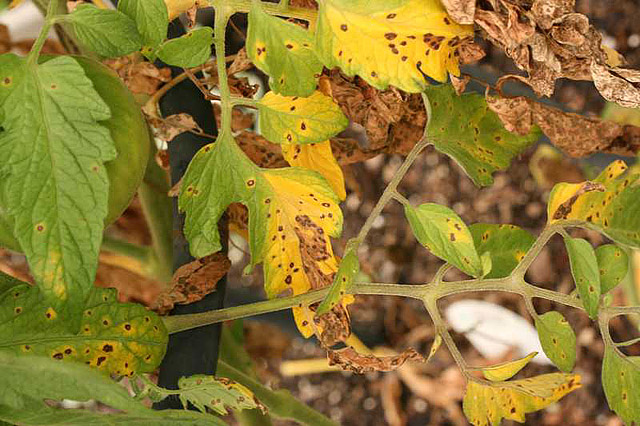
column 506, row 244
column 608, row 204
column 215, row 393
column 151, row 18
column 105, row 31
column 347, row 272
column 621, row 383
column 116, row 338
column 443, row 232
column 584, row 268
column 464, row 128
column 284, row 52
column 557, row 339
column 189, row 50
column 54, row 179
column 614, row 265
column 295, row 120
column 29, row 379
column 506, row 370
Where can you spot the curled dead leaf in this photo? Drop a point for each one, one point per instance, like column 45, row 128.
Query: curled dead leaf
column 462, row 11
column 139, row 77
column 617, row 85
column 349, row 359
column 240, row 63
column 460, row 84
column 168, row 128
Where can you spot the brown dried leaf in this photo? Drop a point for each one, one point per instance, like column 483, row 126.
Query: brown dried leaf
column 240, row 63
column 460, row 84
column 462, row 11
column 193, row 281
column 470, row 52
column 617, row 85
column 140, row 77
column 349, row 359
column 71, row 5
column 545, row 12
column 168, row 128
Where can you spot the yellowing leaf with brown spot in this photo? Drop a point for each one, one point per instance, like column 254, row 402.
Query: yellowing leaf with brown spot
column 487, row 404
column 390, row 43
column 608, row 204
column 295, row 120
column 317, row 157
column 506, row 370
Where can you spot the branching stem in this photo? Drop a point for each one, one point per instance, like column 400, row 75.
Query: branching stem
column 49, row 20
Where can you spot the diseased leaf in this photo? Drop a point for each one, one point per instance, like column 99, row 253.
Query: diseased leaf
column 216, row 393
column 506, row 244
column 116, row 338
column 621, row 383
column 557, row 339
column 607, row 204
column 465, row 129
column 284, row 51
column 317, row 157
column 349, row 359
column 506, row 370
column 151, row 18
column 54, row 181
column 462, row 11
column 347, row 272
column 105, row 31
column 614, row 265
column 584, row 268
column 390, row 43
column 294, row 120
column 442, row 232
column 486, row 405
column 189, row 50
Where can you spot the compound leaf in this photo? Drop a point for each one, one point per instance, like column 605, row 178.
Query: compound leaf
column 294, row 120
column 189, row 50
column 621, row 383
column 441, row 230
column 557, row 339
column 506, row 244
column 488, row 404
column 284, row 52
column 107, row 32
column 608, row 204
column 506, row 370
column 464, row 128
column 614, row 265
column 584, row 268
column 151, row 18
column 54, row 181
column 215, row 393
column 399, row 43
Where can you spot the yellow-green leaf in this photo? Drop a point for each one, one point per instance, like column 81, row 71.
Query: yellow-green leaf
column 557, row 339
column 295, row 120
column 216, row 393
column 506, row 370
column 584, row 268
column 487, row 404
column 344, row 278
column 318, row 157
column 608, row 204
column 621, row 383
column 614, row 265
column 506, row 244
column 396, row 43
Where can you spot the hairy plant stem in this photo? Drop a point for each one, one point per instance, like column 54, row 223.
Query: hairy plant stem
column 49, row 20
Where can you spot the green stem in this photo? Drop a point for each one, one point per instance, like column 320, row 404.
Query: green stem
column 441, row 329
column 49, row 20
column 535, row 250
column 244, row 6
column 142, row 254
column 223, row 12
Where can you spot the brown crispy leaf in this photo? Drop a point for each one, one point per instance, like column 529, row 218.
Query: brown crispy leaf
column 240, row 63
column 461, row 11
column 140, row 77
column 168, row 128
column 460, row 84
column 617, row 84
column 193, row 281
column 349, row 359
column 545, row 12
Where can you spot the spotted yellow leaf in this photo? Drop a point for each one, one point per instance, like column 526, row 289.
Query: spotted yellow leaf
column 608, row 204
column 295, row 120
column 488, row 403
column 506, row 370
column 390, row 43
column 317, row 157
column 216, row 393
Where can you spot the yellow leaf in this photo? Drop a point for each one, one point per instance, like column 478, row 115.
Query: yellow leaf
column 506, row 370
column 317, row 157
column 390, row 44
column 488, row 404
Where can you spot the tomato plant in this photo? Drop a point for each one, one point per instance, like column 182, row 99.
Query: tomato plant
column 73, row 148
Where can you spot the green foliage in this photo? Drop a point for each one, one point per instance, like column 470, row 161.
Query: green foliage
column 347, row 272
column 107, row 32
column 621, row 382
column 614, row 265
column 189, row 50
column 58, row 198
column 557, row 339
column 215, row 393
column 441, row 230
column 151, row 18
column 584, row 268
column 464, row 128
column 506, row 244
column 283, row 51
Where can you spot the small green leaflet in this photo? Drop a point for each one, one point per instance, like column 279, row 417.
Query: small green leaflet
column 151, row 18
column 621, row 383
column 506, row 244
column 614, row 265
column 347, row 272
column 557, row 339
column 584, row 268
column 441, row 230
column 283, row 51
column 464, row 128
column 216, row 393
column 295, row 120
column 189, row 50
column 107, row 32
column 54, row 180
